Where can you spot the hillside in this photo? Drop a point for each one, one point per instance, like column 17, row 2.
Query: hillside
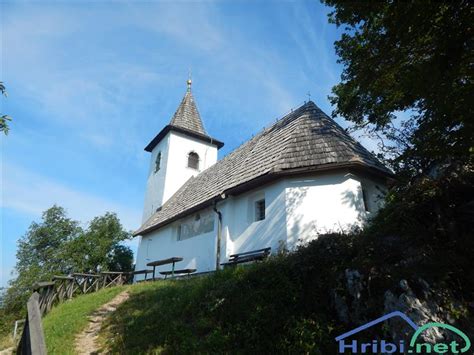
column 66, row 320
column 296, row 303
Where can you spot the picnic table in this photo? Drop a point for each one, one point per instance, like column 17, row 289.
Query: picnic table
column 172, row 260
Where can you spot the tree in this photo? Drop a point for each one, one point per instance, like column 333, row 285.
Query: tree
column 58, row 245
column 40, row 254
column 120, row 258
column 98, row 248
column 4, row 118
column 414, row 56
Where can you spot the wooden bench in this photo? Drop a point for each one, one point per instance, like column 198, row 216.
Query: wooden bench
column 177, row 272
column 254, row 255
column 144, row 271
column 172, row 260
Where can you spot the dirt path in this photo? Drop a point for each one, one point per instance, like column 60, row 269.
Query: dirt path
column 86, row 341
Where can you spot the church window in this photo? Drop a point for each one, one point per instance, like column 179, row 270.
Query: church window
column 260, row 210
column 193, row 160
column 365, row 199
column 158, row 162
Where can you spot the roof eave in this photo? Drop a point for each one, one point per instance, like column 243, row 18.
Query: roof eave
column 373, row 170
column 265, row 178
column 189, row 211
column 154, row 142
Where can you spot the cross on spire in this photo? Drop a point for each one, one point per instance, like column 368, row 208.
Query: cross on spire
column 309, row 96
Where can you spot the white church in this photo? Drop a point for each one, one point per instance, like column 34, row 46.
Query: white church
column 296, row 179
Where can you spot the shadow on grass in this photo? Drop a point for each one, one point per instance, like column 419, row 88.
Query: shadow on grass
column 255, row 309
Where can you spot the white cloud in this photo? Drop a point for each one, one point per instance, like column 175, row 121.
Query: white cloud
column 187, row 23
column 91, row 88
column 31, row 194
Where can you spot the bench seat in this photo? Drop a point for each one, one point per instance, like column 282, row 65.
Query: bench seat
column 249, row 256
column 177, row 272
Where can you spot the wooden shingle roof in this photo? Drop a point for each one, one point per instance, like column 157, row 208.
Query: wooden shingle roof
column 187, row 115
column 186, row 120
column 304, row 140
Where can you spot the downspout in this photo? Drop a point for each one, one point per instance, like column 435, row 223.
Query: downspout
column 219, row 236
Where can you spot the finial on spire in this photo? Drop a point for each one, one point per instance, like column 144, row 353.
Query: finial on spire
column 189, row 82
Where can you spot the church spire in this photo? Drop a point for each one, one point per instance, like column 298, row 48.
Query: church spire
column 187, row 115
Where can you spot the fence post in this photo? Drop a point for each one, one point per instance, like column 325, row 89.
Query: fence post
column 32, row 340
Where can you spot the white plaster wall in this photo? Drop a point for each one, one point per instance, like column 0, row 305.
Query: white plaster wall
column 174, row 171
column 156, row 181
column 375, row 192
column 297, row 210
column 322, row 204
column 242, row 232
column 198, row 252
column 177, row 169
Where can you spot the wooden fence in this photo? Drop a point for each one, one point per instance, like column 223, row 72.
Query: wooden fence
column 60, row 288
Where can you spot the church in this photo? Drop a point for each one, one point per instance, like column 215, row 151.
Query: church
column 299, row 178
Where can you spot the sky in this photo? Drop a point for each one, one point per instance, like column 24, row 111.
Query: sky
column 91, row 83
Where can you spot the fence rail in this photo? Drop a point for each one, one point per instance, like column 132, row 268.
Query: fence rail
column 47, row 294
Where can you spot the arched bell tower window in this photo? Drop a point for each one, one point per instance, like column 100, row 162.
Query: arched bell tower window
column 193, row 160
column 158, row 162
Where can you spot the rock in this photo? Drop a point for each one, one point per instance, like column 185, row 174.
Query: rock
column 341, row 307
column 420, row 311
column 404, row 285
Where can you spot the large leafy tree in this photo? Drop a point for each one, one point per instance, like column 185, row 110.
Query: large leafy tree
column 98, row 248
column 41, row 254
column 414, row 56
column 59, row 245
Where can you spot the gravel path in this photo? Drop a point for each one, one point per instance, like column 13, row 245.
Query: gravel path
column 86, row 341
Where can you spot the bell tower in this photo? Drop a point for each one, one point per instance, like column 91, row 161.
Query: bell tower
column 181, row 150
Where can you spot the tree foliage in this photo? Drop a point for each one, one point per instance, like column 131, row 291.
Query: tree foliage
column 4, row 118
column 412, row 56
column 59, row 245
column 94, row 249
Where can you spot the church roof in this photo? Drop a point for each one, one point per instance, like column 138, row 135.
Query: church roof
column 305, row 140
column 186, row 120
column 187, row 115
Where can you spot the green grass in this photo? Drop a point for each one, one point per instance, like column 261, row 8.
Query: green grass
column 67, row 319
column 262, row 308
column 7, row 322
column 284, row 305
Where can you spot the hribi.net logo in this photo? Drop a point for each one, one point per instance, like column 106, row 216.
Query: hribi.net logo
column 346, row 345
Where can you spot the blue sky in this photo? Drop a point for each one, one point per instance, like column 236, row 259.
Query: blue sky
column 90, row 83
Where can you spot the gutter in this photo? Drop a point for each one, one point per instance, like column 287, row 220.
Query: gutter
column 219, row 234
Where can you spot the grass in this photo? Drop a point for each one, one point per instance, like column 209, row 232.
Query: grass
column 263, row 308
column 7, row 322
column 284, row 305
column 67, row 319
column 6, row 341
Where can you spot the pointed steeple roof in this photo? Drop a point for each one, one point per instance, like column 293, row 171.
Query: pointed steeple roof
column 187, row 115
column 186, row 120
